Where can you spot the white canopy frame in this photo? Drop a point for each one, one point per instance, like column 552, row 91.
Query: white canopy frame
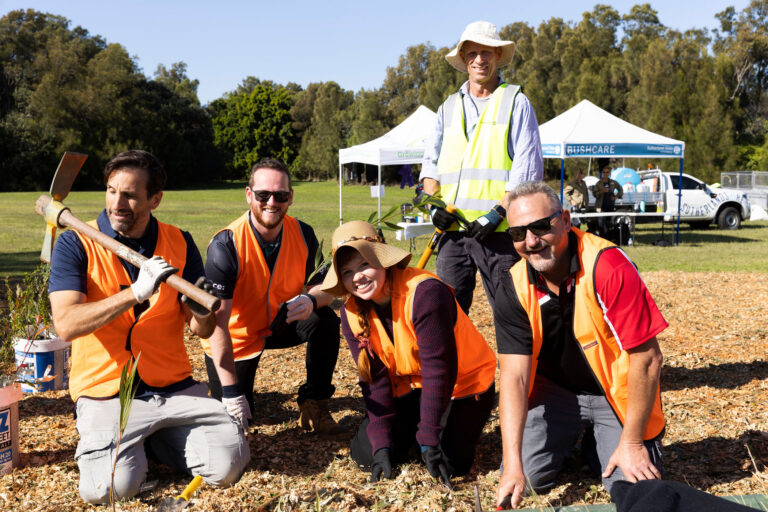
column 587, row 131
column 403, row 144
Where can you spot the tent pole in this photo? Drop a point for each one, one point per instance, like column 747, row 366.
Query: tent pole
column 341, row 180
column 379, row 193
column 562, row 177
column 679, row 201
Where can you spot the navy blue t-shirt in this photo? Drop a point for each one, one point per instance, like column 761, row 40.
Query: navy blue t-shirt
column 69, row 264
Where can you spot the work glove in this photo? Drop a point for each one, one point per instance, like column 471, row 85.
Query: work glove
column 152, row 272
column 442, row 219
column 382, row 465
column 487, row 224
column 198, row 309
column 433, row 458
column 239, row 410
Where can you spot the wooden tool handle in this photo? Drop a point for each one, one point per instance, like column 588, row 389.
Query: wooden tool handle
column 433, row 240
column 66, row 218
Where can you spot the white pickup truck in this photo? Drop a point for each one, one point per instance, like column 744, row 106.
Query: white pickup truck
column 700, row 205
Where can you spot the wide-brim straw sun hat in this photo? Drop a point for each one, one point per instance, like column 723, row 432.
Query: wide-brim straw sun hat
column 362, row 237
column 485, row 33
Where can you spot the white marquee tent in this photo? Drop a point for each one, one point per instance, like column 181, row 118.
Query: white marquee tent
column 587, row 131
column 403, row 144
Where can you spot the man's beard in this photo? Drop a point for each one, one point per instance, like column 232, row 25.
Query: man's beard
column 122, row 226
column 269, row 225
column 542, row 261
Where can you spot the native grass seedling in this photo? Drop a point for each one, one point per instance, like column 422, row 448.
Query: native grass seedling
column 126, row 394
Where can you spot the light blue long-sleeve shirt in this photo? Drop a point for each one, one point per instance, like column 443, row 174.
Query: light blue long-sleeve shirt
column 524, row 145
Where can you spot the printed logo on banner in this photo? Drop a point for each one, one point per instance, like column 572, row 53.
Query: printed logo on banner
column 6, row 451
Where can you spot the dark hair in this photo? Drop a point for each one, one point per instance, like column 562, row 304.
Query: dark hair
column 139, row 159
column 270, row 163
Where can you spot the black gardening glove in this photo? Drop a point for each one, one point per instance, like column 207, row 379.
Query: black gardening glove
column 487, row 224
column 280, row 322
column 196, row 308
column 442, row 219
column 382, row 466
column 433, row 458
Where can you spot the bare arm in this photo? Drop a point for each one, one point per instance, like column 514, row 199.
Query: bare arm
column 631, row 455
column 221, row 345
column 431, row 186
column 513, row 411
column 201, row 325
column 323, row 299
column 74, row 317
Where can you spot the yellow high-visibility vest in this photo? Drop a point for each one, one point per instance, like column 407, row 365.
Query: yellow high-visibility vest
column 473, row 173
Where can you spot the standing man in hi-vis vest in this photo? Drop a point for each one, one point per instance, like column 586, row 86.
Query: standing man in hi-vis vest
column 261, row 266
column 576, row 332
column 112, row 311
column 485, row 142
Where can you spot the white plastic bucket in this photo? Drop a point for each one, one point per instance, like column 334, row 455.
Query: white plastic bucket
column 43, row 358
column 9, row 427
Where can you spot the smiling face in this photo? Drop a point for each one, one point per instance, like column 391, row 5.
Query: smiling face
column 362, row 280
column 482, row 61
column 268, row 214
column 545, row 252
column 128, row 202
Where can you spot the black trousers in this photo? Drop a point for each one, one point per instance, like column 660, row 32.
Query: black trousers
column 320, row 332
column 460, row 256
column 462, row 424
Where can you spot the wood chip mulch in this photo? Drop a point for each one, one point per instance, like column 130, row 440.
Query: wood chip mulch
column 714, row 390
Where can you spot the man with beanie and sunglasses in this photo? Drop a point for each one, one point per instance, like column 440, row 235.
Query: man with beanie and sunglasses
column 261, row 266
column 576, row 333
column 485, row 142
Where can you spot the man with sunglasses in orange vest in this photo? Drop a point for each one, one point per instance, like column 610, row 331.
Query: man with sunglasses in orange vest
column 576, row 333
column 484, row 142
column 260, row 266
column 114, row 312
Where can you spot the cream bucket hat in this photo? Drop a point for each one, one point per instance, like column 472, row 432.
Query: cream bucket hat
column 362, row 237
column 485, row 33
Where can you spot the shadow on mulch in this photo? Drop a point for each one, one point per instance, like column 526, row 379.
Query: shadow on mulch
column 46, row 457
column 716, row 460
column 39, row 405
column 722, row 376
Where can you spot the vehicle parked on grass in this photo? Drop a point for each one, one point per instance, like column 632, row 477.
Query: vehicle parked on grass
column 700, row 205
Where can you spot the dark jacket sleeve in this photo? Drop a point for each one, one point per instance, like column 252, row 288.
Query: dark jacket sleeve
column 434, row 318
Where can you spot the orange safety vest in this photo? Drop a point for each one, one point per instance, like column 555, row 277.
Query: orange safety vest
column 98, row 358
column 259, row 292
column 608, row 362
column 476, row 360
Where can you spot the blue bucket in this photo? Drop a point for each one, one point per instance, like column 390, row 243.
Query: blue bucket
column 41, row 359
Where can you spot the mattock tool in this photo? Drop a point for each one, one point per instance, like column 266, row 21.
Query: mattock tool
column 66, row 172
column 180, row 501
column 58, row 215
column 433, row 241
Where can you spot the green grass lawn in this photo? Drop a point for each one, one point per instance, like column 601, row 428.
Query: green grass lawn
column 203, row 212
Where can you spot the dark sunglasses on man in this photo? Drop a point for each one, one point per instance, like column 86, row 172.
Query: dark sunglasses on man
column 538, row 227
column 281, row 196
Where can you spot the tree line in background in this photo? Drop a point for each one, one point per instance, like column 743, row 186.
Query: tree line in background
column 64, row 89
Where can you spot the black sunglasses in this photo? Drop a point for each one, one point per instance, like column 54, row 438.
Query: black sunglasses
column 538, row 227
column 281, row 196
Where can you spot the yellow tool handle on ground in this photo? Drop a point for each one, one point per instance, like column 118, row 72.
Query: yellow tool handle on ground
column 433, row 240
column 191, row 488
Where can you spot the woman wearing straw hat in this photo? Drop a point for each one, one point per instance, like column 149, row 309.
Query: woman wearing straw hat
column 426, row 373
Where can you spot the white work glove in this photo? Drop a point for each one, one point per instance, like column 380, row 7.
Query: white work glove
column 239, row 410
column 300, row 307
column 152, row 272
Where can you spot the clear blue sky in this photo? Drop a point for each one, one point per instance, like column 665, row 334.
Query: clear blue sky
column 350, row 42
